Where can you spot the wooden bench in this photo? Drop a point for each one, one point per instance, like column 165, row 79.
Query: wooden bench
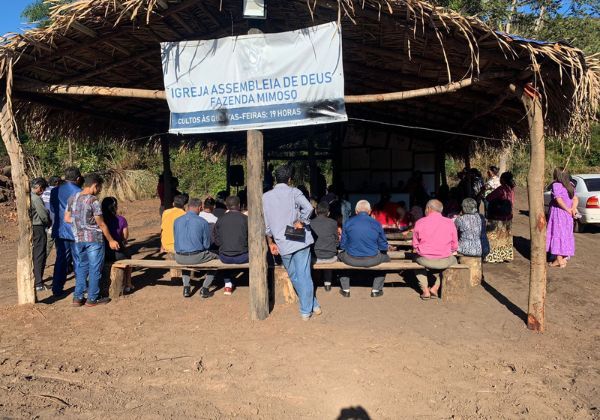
column 455, row 280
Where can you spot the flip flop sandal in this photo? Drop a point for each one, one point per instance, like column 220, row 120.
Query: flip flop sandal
column 425, row 297
column 434, row 296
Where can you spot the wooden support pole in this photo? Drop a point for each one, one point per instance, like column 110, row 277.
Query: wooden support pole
column 228, row 168
column 167, row 175
column 312, row 168
column 257, row 246
column 25, row 279
column 537, row 218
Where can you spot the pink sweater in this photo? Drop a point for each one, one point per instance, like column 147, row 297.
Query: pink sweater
column 435, row 236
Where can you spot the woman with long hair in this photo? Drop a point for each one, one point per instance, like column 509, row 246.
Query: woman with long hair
column 500, row 214
column 563, row 209
column 119, row 230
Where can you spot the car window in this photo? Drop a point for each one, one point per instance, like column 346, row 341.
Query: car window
column 592, row 184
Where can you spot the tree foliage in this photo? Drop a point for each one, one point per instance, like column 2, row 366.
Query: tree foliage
column 576, row 22
column 38, row 12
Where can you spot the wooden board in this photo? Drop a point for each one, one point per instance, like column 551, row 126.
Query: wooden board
column 394, row 265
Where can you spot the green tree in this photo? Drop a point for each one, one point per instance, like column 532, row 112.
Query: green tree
column 38, row 12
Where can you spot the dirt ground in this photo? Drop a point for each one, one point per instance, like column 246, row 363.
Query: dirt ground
column 153, row 354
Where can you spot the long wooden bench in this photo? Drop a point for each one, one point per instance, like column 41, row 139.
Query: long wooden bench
column 455, row 280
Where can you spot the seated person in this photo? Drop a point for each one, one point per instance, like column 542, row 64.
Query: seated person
column 435, row 241
column 325, row 233
column 220, row 208
column 386, row 212
column 472, row 238
column 207, row 212
column 192, row 243
column 364, row 245
column 167, row 240
column 230, row 235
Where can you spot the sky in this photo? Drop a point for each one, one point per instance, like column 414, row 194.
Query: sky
column 10, row 15
column 11, row 21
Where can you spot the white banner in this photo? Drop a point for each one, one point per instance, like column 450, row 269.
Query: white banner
column 255, row 81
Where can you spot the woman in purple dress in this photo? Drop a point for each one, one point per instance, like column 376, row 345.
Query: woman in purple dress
column 563, row 208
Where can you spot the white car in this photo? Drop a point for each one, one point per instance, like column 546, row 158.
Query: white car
column 587, row 189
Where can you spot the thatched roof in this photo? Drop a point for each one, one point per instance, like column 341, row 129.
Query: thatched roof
column 388, row 46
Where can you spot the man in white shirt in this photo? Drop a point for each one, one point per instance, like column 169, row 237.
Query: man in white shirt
column 207, row 211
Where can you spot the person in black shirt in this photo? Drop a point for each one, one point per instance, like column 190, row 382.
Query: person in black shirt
column 325, row 232
column 230, row 234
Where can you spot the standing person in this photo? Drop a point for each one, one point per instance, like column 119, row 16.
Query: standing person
column 285, row 208
column 40, row 219
column 500, row 215
column 491, row 184
column 192, row 244
column 230, row 235
column 363, row 244
column 435, row 241
column 560, row 240
column 325, row 233
column 64, row 241
column 53, row 182
column 84, row 214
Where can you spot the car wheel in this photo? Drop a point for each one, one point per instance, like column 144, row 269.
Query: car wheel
column 579, row 227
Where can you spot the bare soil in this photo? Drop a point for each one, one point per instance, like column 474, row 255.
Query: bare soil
column 153, row 354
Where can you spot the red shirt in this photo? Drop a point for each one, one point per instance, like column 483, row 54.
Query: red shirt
column 435, row 237
column 388, row 216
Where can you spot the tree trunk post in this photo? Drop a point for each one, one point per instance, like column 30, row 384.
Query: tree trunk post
column 537, row 217
column 257, row 247
column 228, row 168
column 8, row 132
column 167, row 175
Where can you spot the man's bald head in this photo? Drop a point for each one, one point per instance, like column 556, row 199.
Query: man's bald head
column 434, row 205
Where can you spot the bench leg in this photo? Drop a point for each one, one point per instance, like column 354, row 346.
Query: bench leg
column 456, row 284
column 475, row 267
column 118, row 276
column 174, row 273
column 284, row 284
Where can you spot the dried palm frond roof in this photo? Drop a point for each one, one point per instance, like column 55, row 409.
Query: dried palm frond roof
column 388, row 46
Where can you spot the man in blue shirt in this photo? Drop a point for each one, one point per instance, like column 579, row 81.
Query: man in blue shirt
column 364, row 245
column 192, row 243
column 64, row 241
column 286, row 206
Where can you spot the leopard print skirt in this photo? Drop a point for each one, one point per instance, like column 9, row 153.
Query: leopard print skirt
column 499, row 235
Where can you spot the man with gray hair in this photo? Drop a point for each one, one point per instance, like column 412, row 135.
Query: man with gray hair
column 364, row 245
column 192, row 243
column 435, row 241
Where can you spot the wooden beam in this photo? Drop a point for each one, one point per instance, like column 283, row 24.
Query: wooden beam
column 25, row 279
column 66, row 89
column 80, row 27
column 537, row 217
column 416, row 93
column 257, row 246
column 94, row 91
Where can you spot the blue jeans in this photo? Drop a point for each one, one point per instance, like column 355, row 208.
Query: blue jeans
column 91, row 261
column 66, row 253
column 298, row 268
